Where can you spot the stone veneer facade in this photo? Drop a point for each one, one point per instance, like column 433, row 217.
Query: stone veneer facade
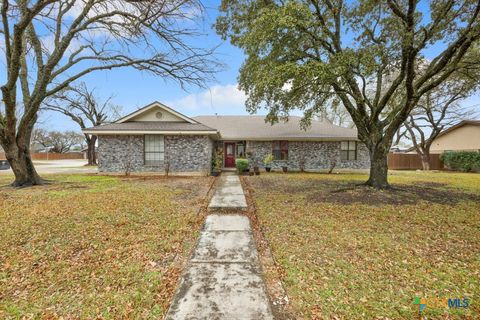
column 121, row 153
column 194, row 154
column 316, row 155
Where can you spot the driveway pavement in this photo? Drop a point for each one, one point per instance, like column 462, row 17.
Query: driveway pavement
column 59, row 166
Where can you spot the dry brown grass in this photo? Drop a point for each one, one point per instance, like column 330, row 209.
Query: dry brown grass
column 358, row 253
column 95, row 247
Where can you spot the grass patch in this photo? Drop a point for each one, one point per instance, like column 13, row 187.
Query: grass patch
column 359, row 253
column 87, row 246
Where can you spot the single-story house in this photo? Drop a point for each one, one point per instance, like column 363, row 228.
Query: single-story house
column 464, row 136
column 157, row 138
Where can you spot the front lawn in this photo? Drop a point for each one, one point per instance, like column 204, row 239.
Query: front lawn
column 351, row 252
column 90, row 246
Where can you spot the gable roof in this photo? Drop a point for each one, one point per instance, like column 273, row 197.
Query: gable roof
column 152, row 105
column 181, row 124
column 253, row 127
column 458, row 125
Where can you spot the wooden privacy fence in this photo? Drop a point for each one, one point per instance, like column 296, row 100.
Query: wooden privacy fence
column 412, row 161
column 52, row 156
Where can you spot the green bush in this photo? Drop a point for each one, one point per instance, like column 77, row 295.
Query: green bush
column 241, row 164
column 461, row 160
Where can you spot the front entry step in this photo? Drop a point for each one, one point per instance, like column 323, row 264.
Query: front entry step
column 229, row 194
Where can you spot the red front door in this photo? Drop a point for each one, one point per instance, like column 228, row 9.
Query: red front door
column 229, row 150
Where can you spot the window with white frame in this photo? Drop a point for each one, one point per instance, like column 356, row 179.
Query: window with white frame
column 154, row 150
column 348, row 150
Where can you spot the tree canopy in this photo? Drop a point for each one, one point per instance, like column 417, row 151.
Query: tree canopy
column 301, row 54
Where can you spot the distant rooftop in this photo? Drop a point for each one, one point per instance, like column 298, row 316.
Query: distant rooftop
column 458, row 125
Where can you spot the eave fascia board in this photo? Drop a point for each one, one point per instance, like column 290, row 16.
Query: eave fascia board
column 138, row 132
column 289, row 138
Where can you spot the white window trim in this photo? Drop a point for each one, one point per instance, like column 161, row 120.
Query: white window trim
column 161, row 151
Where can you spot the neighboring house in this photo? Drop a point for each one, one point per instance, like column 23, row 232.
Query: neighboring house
column 156, row 137
column 464, row 136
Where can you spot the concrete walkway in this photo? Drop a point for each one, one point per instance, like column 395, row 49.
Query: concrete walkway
column 223, row 278
column 228, row 194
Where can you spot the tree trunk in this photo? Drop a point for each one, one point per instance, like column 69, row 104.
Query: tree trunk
column 425, row 157
column 17, row 151
column 378, row 167
column 91, row 154
column 22, row 167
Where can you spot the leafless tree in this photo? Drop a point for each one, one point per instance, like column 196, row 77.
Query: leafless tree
column 48, row 44
column 56, row 141
column 40, row 137
column 86, row 109
column 336, row 113
column 438, row 109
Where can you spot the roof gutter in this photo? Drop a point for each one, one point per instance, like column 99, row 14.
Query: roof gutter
column 142, row 132
column 290, row 138
column 215, row 133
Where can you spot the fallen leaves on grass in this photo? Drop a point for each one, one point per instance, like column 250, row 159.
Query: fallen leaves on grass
column 398, row 195
column 368, row 259
column 95, row 247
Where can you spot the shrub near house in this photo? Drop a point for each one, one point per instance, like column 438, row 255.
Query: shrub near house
column 242, row 165
column 461, row 160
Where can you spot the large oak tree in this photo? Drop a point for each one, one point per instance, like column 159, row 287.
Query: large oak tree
column 303, row 53
column 48, row 44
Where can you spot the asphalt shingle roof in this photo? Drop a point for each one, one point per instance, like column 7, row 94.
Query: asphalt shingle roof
column 254, row 127
column 239, row 128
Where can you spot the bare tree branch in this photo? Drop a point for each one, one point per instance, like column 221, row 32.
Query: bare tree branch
column 84, row 37
column 438, row 109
